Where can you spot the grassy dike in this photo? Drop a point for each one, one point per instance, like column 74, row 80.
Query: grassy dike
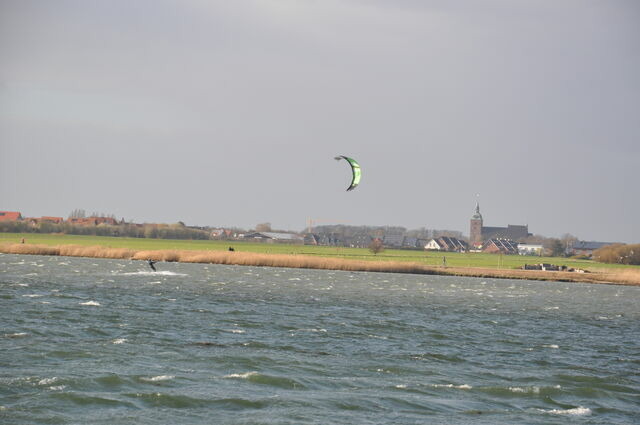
column 316, row 257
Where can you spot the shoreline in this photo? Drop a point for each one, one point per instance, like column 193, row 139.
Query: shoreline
column 626, row 277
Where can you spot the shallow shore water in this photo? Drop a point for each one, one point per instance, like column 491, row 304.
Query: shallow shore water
column 621, row 277
column 109, row 341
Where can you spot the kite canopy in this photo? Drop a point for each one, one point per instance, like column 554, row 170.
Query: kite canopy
column 355, row 170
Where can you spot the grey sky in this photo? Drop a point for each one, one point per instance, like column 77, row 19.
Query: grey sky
column 230, row 112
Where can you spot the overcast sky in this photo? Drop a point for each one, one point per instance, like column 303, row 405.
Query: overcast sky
column 229, row 113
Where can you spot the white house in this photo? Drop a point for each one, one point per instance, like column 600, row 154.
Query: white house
column 433, row 245
column 529, row 249
column 446, row 243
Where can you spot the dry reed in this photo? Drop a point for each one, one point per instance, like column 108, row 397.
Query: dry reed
column 623, row 277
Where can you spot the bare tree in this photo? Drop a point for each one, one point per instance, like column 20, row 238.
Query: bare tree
column 78, row 213
column 263, row 227
column 554, row 247
column 376, row 246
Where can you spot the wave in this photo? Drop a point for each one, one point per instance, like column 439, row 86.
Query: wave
column 150, row 273
column 524, row 391
column 274, row 381
column 576, row 411
column 457, row 387
column 241, row 375
column 182, row 401
column 85, row 400
column 157, row 378
column 16, row 335
column 95, row 303
column 48, row 381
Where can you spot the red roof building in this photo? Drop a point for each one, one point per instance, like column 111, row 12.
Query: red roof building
column 56, row 220
column 10, row 216
column 92, row 221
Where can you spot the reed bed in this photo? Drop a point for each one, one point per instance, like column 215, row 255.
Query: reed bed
column 67, row 250
column 622, row 277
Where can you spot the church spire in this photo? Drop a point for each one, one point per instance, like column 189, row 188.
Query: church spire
column 477, row 215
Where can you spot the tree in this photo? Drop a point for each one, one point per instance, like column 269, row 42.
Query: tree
column 263, row 227
column 568, row 240
column 376, row 246
column 554, row 247
column 78, row 213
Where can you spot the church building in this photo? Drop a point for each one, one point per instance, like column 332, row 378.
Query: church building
column 478, row 233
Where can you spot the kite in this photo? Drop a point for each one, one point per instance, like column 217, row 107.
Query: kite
column 355, row 169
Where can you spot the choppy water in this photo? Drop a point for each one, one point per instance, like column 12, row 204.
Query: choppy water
column 108, row 342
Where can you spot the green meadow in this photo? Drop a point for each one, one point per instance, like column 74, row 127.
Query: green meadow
column 427, row 258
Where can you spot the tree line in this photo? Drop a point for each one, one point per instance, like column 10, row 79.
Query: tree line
column 380, row 231
column 618, row 253
column 154, row 231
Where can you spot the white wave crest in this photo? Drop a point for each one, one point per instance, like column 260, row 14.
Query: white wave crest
column 576, row 411
column 32, row 295
column 15, row 335
column 554, row 346
column 241, row 375
column 531, row 390
column 158, row 378
column 119, row 341
column 458, row 387
column 47, row 381
column 96, row 303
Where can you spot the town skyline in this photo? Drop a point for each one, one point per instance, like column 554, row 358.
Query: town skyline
column 511, row 231
column 231, row 113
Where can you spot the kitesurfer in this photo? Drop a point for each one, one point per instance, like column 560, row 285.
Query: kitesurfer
column 151, row 264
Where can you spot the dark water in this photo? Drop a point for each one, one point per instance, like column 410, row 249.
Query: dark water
column 108, row 342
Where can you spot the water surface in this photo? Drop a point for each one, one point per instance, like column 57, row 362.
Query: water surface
column 110, row 342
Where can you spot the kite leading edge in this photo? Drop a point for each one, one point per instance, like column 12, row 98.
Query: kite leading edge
column 355, row 170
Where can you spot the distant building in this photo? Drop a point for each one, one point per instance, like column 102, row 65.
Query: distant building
column 393, row 241
column 55, row 220
column 479, row 233
column 410, row 242
column 10, row 216
column 500, row 246
column 586, row 247
column 331, row 239
column 446, row 243
column 275, row 237
column 361, row 240
column 311, row 239
column 530, row 249
column 92, row 221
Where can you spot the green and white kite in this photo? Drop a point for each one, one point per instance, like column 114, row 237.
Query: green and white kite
column 355, row 170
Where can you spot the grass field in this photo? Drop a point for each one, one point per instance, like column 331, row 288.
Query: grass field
column 480, row 260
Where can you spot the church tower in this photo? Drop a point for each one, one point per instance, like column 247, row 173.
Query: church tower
column 475, row 233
